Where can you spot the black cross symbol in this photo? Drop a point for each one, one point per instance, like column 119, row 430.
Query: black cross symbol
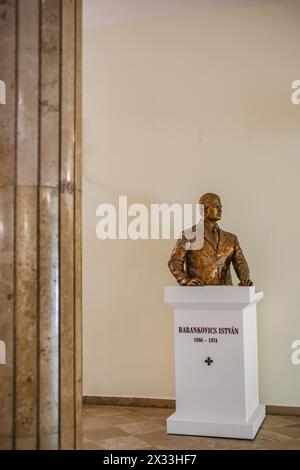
column 208, row 361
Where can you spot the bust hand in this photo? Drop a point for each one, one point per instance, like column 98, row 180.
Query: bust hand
column 194, row 282
column 190, row 282
column 246, row 283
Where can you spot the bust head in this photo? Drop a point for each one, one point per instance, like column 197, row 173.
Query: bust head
column 212, row 207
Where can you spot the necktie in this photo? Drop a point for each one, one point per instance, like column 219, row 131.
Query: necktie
column 215, row 235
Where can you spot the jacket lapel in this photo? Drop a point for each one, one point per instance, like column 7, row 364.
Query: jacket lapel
column 208, row 237
column 222, row 238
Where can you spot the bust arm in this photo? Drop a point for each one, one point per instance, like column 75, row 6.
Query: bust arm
column 177, row 260
column 239, row 262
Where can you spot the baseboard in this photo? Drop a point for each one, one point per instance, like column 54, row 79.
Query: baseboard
column 130, row 401
column 169, row 403
column 283, row 410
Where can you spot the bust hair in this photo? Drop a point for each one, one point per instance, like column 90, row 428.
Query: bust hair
column 208, row 196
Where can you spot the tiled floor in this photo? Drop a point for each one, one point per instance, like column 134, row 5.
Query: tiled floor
column 131, row 428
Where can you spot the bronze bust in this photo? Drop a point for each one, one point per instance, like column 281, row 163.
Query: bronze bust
column 210, row 265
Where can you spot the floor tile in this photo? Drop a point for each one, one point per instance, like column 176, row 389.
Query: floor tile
column 123, row 443
column 133, row 428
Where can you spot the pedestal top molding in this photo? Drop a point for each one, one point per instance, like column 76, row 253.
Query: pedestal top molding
column 211, row 296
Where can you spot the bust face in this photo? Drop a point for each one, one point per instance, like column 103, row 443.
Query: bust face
column 212, row 209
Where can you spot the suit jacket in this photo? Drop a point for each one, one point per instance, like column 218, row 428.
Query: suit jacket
column 211, row 264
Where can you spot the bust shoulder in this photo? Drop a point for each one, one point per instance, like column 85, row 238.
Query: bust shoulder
column 229, row 235
column 187, row 233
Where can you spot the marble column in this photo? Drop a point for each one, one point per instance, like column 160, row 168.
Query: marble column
column 40, row 224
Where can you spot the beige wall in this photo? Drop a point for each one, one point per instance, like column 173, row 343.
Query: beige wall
column 176, row 107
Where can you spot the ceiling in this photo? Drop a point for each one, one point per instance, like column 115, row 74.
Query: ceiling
column 108, row 12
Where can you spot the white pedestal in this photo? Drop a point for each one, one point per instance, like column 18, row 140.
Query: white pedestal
column 219, row 398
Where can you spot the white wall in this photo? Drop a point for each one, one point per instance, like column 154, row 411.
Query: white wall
column 108, row 12
column 175, row 107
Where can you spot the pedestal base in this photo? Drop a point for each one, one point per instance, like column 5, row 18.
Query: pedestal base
column 247, row 430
